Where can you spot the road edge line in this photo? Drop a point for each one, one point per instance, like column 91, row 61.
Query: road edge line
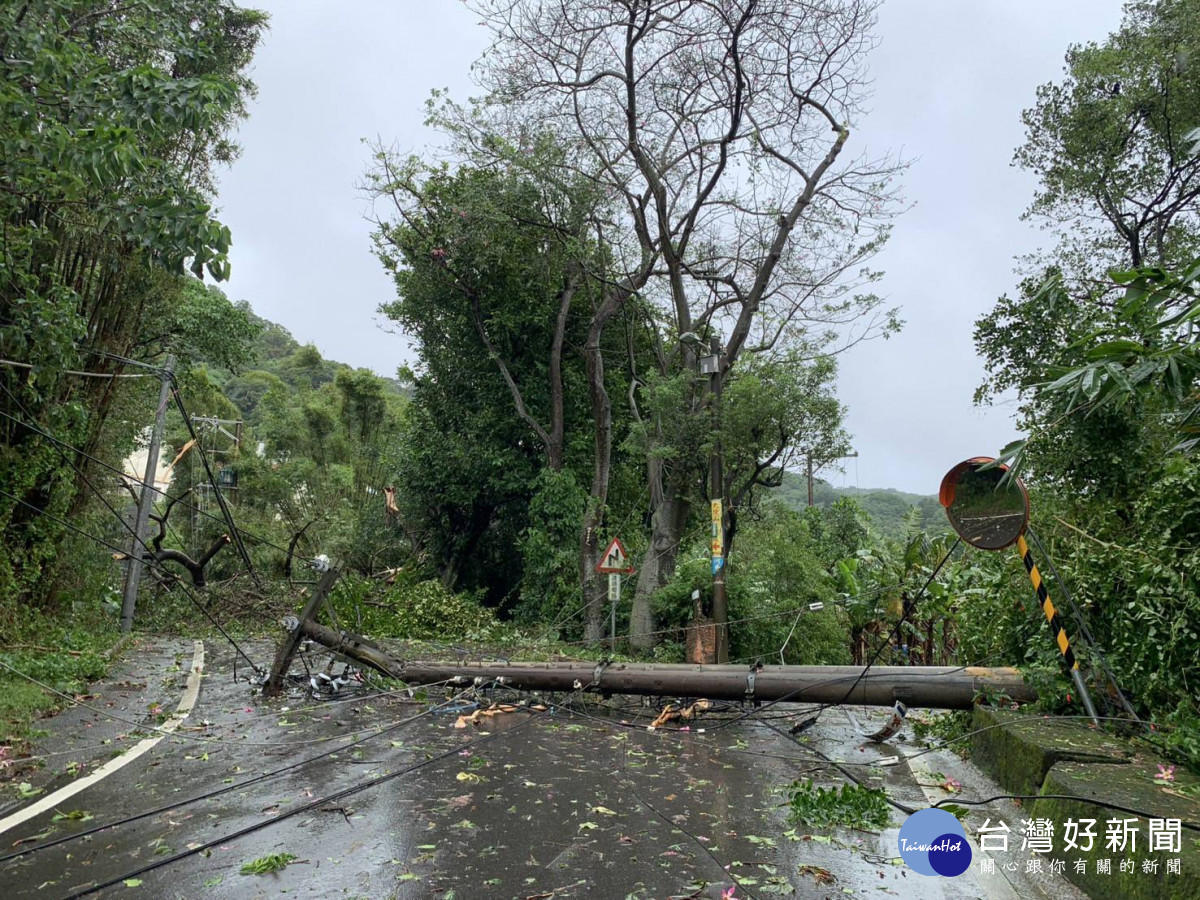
column 186, row 702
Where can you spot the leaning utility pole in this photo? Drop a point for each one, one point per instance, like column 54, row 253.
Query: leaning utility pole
column 287, row 650
column 133, row 574
column 716, row 478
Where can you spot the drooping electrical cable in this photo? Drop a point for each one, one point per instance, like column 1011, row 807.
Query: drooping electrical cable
column 908, row 607
column 150, row 563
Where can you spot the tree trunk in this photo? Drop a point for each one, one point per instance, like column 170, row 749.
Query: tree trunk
column 475, row 526
column 658, row 566
column 594, row 589
column 594, row 593
column 449, row 576
column 856, row 637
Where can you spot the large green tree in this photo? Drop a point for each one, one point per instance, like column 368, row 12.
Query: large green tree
column 491, row 266
column 1114, row 144
column 1097, row 344
column 114, row 116
column 715, row 133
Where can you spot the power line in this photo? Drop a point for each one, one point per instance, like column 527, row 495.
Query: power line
column 182, row 730
column 117, row 471
column 153, row 564
column 232, row 787
column 133, row 531
column 212, row 480
column 22, row 365
column 227, row 516
column 909, row 606
column 307, row 807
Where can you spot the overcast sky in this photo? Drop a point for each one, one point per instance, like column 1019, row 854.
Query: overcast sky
column 951, row 80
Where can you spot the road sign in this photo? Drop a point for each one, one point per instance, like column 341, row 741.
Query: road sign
column 718, row 563
column 615, row 560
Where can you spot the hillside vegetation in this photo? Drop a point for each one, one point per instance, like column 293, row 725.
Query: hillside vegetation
column 892, row 514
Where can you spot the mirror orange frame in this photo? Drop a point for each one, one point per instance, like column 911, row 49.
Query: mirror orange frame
column 946, row 496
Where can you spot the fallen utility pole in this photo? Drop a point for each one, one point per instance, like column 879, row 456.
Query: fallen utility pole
column 940, row 687
column 283, row 656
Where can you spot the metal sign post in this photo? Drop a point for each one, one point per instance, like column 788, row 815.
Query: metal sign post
column 614, row 563
column 614, row 597
column 1056, row 627
column 990, row 511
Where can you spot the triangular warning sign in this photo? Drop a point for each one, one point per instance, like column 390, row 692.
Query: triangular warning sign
column 615, row 560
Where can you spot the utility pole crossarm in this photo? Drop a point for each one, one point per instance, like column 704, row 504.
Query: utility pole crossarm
column 811, row 469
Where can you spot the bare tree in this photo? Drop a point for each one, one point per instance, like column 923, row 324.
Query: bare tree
column 718, row 129
column 159, row 554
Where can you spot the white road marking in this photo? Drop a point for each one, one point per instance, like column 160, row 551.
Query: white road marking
column 181, row 712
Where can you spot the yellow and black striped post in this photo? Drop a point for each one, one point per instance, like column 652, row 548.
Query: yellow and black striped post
column 1056, row 625
column 1052, row 616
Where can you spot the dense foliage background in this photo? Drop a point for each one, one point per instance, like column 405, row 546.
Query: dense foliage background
column 555, row 399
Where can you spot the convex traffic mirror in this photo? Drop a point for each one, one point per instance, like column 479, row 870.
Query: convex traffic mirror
column 986, row 506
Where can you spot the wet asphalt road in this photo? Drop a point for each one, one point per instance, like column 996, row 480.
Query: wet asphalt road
column 530, row 805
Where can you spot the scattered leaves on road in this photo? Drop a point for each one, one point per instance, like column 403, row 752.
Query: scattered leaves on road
column 269, row 864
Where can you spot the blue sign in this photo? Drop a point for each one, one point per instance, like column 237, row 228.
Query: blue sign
column 718, row 563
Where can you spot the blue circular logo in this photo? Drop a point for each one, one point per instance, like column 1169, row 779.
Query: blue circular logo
column 933, row 842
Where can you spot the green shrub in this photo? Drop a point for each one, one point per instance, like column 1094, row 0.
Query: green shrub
column 424, row 610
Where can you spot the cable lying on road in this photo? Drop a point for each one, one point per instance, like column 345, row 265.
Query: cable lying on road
column 183, row 734
column 149, row 563
column 232, row 787
column 183, row 731
column 909, row 606
column 307, row 807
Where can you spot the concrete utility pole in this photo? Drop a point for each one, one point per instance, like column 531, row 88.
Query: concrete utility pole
column 133, row 574
column 937, row 687
column 287, row 650
column 716, row 478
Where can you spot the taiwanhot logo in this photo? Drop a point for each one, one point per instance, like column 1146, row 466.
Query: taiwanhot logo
column 933, row 842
